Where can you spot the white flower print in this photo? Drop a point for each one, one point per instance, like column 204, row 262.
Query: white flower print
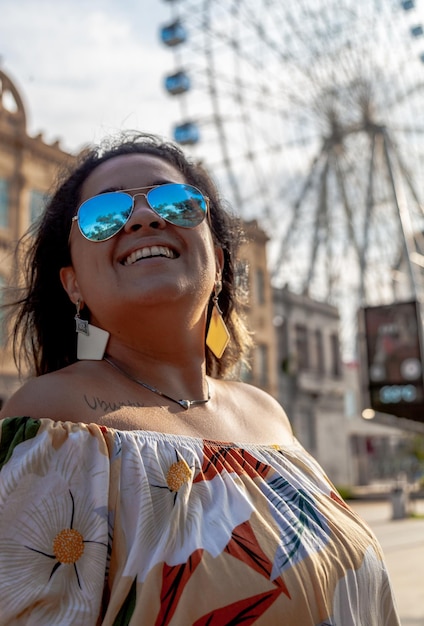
column 168, row 513
column 53, row 533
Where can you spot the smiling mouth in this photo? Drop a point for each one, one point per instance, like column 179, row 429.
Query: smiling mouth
column 148, row 253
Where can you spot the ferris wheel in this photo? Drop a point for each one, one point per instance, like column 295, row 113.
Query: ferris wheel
column 310, row 116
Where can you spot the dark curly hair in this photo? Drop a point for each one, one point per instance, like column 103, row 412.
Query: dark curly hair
column 44, row 329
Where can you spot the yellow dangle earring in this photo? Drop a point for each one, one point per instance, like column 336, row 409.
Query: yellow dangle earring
column 218, row 336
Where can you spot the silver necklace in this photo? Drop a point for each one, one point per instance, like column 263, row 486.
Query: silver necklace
column 185, row 404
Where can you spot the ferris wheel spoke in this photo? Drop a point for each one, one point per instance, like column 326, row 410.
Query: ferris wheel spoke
column 405, row 226
column 417, row 88
column 417, row 230
column 409, row 181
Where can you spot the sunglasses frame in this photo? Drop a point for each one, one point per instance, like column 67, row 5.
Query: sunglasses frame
column 125, row 191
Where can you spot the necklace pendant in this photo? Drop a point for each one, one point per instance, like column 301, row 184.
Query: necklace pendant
column 186, row 404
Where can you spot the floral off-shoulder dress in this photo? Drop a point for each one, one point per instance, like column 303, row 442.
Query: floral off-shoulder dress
column 113, row 528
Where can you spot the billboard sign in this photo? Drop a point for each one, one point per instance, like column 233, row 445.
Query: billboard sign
column 392, row 355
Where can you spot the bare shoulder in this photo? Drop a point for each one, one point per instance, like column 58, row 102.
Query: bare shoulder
column 42, row 396
column 36, row 398
column 252, row 395
column 259, row 413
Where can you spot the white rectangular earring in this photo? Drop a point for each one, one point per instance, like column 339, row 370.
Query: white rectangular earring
column 91, row 340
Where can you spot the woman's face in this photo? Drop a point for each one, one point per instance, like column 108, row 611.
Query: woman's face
column 108, row 276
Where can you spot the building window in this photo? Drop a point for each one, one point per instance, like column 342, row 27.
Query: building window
column 261, row 369
column 4, row 203
column 37, row 202
column 319, row 352
column 242, row 277
column 350, row 408
column 336, row 368
column 307, row 429
column 2, row 319
column 302, row 349
column 260, row 286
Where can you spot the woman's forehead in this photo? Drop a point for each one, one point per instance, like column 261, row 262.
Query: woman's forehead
column 130, row 170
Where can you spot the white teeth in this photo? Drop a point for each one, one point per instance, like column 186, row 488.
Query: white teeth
column 149, row 252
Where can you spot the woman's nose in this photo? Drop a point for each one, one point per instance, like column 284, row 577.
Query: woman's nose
column 143, row 216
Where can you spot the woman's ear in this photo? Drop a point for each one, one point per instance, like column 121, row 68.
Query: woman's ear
column 70, row 283
column 219, row 256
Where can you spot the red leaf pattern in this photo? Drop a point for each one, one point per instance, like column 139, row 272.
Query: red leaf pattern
column 174, row 580
column 218, row 459
column 242, row 612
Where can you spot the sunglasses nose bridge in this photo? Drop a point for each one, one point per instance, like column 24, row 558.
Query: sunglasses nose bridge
column 137, row 205
column 142, row 213
column 144, row 205
column 135, row 195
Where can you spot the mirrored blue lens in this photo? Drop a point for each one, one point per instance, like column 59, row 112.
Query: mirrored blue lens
column 182, row 205
column 103, row 216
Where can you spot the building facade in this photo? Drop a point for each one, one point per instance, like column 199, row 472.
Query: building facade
column 322, row 398
column 28, row 168
column 311, row 379
column 259, row 309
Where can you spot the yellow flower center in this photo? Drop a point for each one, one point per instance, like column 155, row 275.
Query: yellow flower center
column 68, row 545
column 178, row 474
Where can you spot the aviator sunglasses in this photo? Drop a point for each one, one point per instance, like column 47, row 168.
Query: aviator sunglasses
column 101, row 217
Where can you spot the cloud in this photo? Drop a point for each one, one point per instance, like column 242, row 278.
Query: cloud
column 85, row 69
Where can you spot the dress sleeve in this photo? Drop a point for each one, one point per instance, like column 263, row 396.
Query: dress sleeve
column 54, row 485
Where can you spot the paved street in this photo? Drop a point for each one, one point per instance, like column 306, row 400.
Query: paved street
column 403, row 545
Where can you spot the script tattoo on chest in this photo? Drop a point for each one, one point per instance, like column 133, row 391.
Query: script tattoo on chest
column 98, row 404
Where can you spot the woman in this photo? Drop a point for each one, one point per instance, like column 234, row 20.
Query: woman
column 138, row 484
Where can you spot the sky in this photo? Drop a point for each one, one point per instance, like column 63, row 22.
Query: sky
column 88, row 68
